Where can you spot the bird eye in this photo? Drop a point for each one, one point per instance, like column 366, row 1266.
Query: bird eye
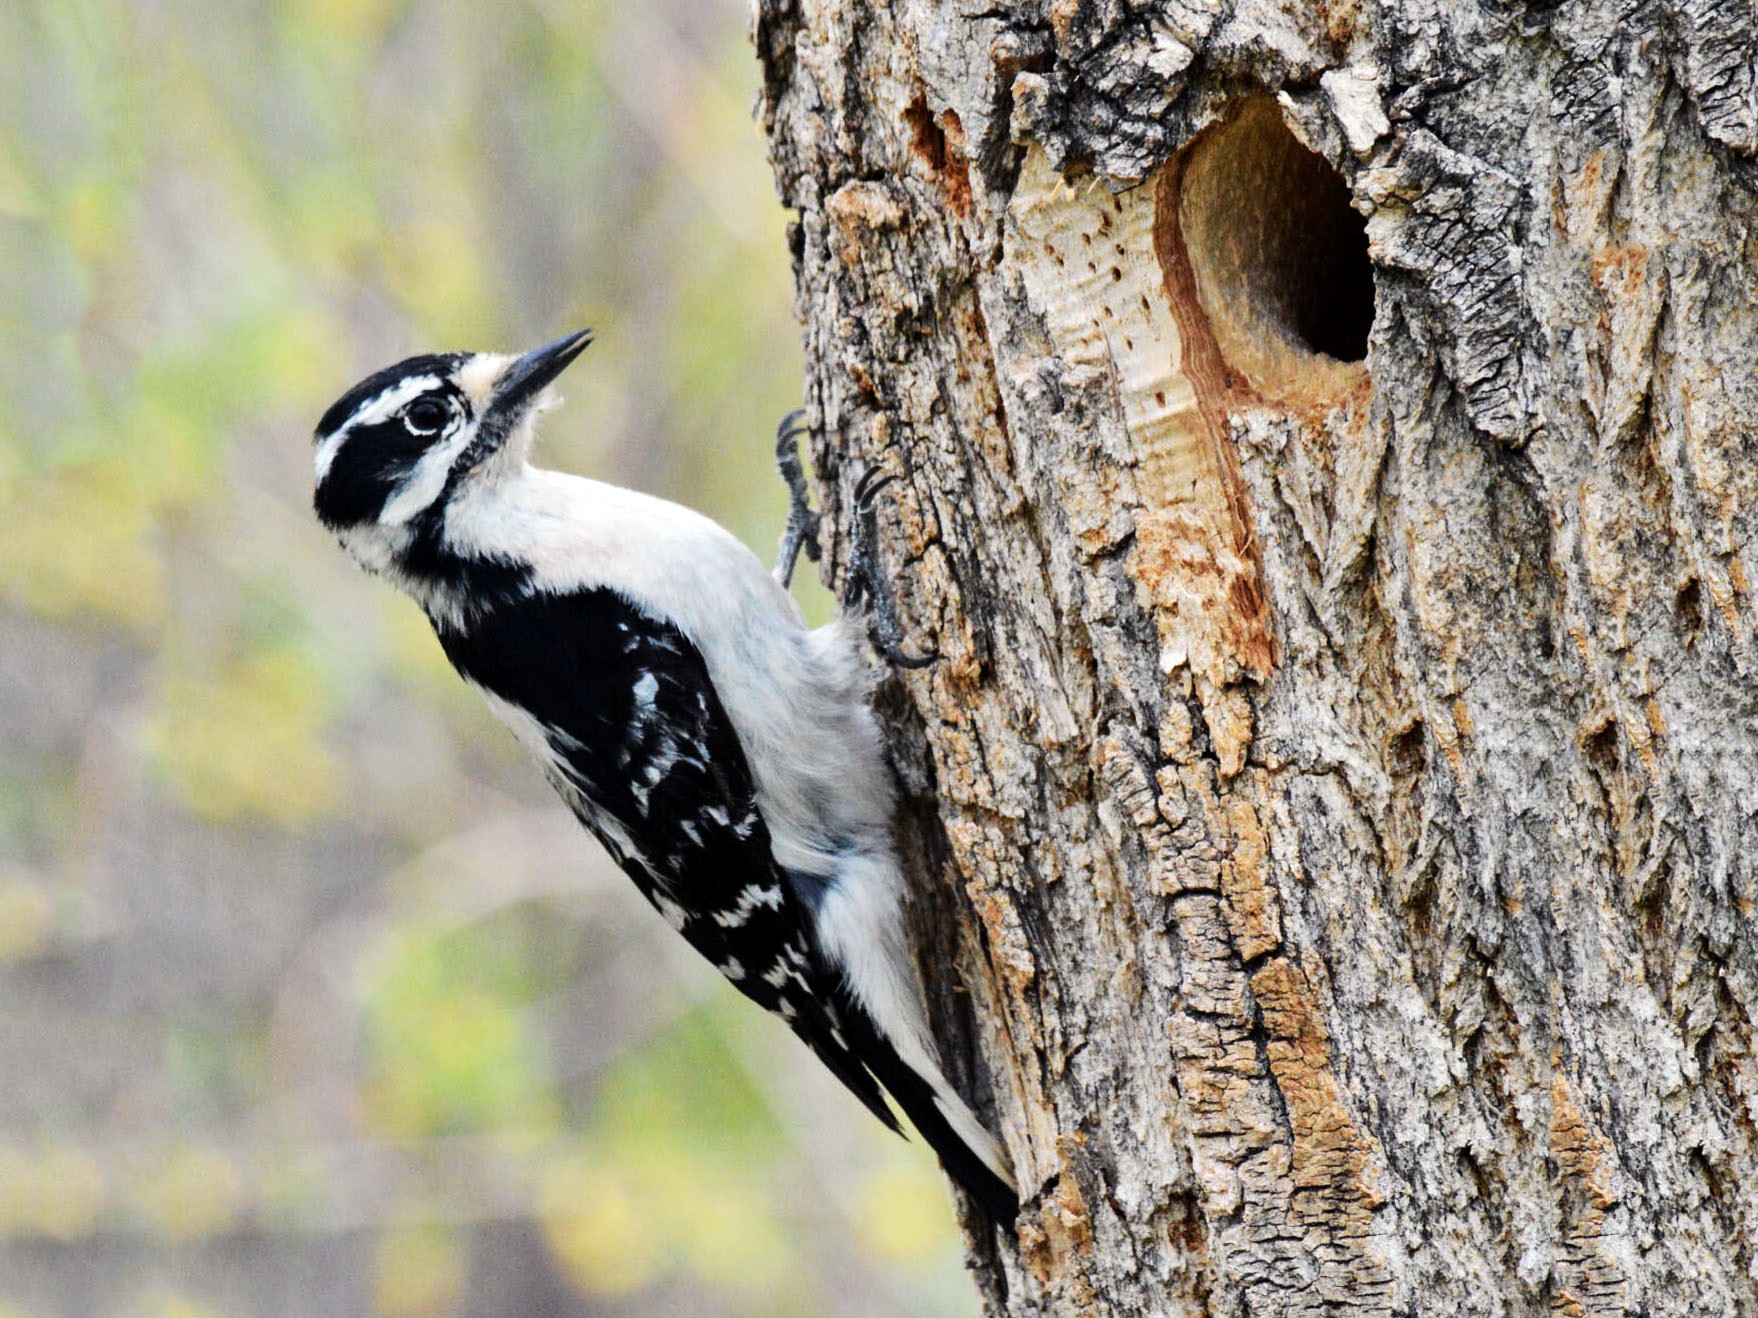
column 425, row 415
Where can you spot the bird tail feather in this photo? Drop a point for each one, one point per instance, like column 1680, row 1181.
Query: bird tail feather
column 970, row 1154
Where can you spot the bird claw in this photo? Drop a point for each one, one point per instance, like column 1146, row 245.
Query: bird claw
column 867, row 582
column 868, row 485
column 802, row 519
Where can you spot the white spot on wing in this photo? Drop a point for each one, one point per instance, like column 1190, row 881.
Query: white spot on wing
column 645, row 690
column 664, row 757
column 749, row 900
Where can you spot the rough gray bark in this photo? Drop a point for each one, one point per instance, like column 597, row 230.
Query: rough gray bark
column 1336, row 790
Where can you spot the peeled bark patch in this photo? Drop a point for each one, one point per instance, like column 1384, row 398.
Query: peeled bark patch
column 1087, row 257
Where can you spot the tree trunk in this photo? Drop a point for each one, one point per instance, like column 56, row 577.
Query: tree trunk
column 1332, row 802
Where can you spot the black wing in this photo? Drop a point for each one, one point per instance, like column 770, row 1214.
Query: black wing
column 648, row 760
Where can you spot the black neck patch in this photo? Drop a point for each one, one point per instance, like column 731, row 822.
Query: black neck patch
column 486, row 584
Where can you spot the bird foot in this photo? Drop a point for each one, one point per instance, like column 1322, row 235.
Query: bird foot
column 867, row 590
column 866, row 580
column 801, row 531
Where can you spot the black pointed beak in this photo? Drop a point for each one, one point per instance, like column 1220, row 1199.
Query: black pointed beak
column 525, row 378
column 515, row 391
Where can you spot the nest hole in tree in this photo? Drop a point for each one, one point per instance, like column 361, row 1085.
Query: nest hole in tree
column 1278, row 256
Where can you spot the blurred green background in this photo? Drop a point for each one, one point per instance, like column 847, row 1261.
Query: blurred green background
column 312, row 1001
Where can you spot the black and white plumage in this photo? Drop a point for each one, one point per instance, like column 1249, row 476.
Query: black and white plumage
column 723, row 753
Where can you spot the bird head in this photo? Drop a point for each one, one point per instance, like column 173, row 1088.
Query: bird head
column 398, row 446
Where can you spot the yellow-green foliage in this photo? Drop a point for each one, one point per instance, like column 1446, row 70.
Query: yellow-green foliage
column 188, row 1193
column 418, row 1270
column 677, row 1172
column 51, row 1188
column 450, row 1047
column 276, row 769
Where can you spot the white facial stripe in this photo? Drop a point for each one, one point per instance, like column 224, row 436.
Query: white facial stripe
column 387, row 404
column 391, row 403
column 369, row 413
column 326, row 453
column 427, row 480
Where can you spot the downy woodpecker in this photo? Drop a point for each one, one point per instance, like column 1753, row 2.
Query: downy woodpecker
column 722, row 753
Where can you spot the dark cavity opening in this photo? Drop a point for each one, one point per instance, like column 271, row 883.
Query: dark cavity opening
column 1275, row 245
